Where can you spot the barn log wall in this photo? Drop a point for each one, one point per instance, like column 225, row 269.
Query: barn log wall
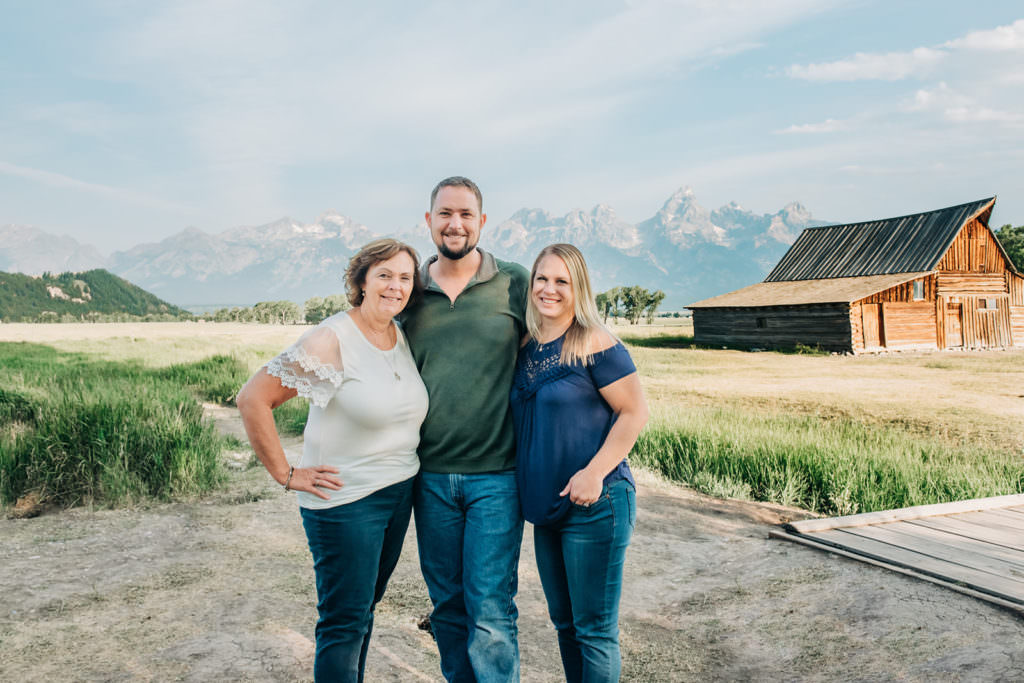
column 856, row 329
column 974, row 251
column 1015, row 285
column 905, row 292
column 971, row 284
column 823, row 325
column 1017, row 325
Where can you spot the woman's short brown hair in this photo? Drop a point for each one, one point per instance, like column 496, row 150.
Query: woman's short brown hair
column 370, row 255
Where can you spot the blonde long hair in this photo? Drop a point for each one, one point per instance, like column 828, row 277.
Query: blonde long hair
column 586, row 320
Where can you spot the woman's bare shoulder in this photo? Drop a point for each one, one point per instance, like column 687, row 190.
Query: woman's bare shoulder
column 601, row 340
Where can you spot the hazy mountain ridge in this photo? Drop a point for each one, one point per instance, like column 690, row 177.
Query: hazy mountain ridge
column 686, row 250
column 24, row 249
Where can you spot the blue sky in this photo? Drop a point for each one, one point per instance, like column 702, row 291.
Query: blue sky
column 123, row 122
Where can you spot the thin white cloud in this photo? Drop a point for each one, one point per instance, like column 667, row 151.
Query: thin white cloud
column 956, row 107
column 895, row 66
column 892, row 66
column 59, row 180
column 1002, row 38
column 826, row 126
column 979, row 114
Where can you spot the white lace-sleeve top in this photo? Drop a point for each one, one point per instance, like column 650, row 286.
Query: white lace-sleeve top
column 366, row 407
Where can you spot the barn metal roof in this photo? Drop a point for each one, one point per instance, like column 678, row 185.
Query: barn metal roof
column 906, row 244
column 801, row 292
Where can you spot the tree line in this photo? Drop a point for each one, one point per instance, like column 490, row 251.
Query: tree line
column 313, row 311
column 632, row 303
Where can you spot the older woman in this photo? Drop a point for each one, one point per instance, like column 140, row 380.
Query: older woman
column 578, row 409
column 355, row 479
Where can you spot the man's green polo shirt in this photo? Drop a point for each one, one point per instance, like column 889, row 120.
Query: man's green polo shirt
column 466, row 353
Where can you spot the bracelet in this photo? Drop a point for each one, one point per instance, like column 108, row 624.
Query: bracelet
column 291, row 471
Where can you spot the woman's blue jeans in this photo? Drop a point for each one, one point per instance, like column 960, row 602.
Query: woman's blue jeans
column 580, row 560
column 355, row 549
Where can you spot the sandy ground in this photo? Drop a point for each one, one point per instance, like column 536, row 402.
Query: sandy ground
column 222, row 589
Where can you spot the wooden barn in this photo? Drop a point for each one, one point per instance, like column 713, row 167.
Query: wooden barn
column 934, row 280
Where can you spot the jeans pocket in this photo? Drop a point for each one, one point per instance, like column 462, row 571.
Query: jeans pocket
column 591, row 508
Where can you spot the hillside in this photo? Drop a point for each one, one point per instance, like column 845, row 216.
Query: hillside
column 96, row 292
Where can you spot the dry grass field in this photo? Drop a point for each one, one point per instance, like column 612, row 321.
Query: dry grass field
column 220, row 587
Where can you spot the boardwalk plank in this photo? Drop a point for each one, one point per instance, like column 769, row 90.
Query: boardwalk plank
column 980, row 531
column 991, row 520
column 903, row 514
column 978, row 580
column 966, row 552
column 1008, row 517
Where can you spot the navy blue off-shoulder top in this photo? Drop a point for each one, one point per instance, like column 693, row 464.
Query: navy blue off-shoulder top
column 561, row 420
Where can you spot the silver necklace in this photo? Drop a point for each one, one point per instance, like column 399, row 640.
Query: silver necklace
column 387, row 359
column 387, row 340
column 387, row 353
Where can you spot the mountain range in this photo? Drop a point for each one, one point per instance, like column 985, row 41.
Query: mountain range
column 685, row 250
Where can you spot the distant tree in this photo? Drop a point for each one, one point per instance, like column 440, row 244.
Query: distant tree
column 603, row 305
column 278, row 312
column 312, row 310
column 653, row 301
column 1012, row 240
column 610, row 303
column 634, row 302
column 316, row 309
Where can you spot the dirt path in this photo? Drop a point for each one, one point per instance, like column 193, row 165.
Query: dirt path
column 222, row 589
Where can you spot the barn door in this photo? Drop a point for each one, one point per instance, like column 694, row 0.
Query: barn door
column 954, row 326
column 871, row 317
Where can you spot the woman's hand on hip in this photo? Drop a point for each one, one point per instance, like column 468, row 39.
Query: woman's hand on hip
column 313, row 479
column 584, row 487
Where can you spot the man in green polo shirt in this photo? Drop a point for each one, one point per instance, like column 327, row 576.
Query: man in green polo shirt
column 465, row 335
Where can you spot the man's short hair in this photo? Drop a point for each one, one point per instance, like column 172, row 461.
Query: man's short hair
column 458, row 181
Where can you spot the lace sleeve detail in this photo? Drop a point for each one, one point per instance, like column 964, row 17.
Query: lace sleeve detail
column 311, row 366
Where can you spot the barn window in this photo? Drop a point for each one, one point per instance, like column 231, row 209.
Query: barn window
column 918, row 290
column 762, row 323
column 989, row 304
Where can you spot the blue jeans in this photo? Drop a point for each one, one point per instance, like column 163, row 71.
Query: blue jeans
column 580, row 560
column 355, row 548
column 469, row 529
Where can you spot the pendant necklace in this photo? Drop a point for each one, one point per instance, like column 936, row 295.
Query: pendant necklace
column 387, row 359
column 387, row 340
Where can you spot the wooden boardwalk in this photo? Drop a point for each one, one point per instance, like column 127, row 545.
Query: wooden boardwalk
column 972, row 546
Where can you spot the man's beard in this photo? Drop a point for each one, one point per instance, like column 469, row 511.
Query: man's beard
column 455, row 255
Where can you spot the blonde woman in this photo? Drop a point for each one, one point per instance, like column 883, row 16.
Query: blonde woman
column 359, row 460
column 578, row 409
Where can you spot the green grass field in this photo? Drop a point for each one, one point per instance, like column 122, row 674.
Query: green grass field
column 75, row 429
column 830, row 434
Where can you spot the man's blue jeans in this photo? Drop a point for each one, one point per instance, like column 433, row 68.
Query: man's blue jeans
column 469, row 529
column 580, row 560
column 355, row 549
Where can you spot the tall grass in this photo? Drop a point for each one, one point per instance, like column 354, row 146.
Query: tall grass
column 79, row 430
column 290, row 417
column 831, row 466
